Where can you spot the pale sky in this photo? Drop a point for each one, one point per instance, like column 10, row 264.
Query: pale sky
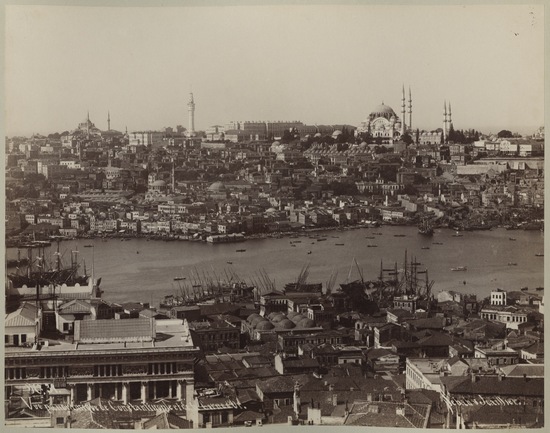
column 317, row 64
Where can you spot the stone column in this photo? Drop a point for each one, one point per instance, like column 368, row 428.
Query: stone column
column 116, row 391
column 90, row 392
column 189, row 391
column 125, row 392
column 179, row 390
column 144, row 391
column 73, row 394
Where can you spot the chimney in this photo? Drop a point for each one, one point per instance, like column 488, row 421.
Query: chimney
column 334, row 399
column 525, row 377
column 473, row 377
column 500, row 377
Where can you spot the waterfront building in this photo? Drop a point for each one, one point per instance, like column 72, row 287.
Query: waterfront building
column 122, row 360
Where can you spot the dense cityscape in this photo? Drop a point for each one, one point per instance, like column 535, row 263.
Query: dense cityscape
column 385, row 350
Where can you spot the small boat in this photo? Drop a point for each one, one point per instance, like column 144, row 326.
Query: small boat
column 137, row 252
column 437, row 243
column 321, row 239
column 339, row 244
column 292, row 245
column 88, row 246
column 240, row 251
column 459, row 268
column 179, row 278
column 512, row 264
column 524, row 289
column 309, row 252
column 539, row 255
column 512, row 239
column 425, row 248
column 399, row 236
column 229, row 263
column 538, row 289
column 372, row 246
column 379, row 234
column 369, row 237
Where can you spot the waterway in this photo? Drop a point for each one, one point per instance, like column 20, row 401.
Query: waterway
column 144, row 271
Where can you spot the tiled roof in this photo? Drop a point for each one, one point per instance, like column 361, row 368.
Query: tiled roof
column 248, row 415
column 167, row 421
column 108, row 331
column 24, row 316
column 491, row 385
column 75, row 306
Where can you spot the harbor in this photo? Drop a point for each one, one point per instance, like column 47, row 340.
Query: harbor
column 161, row 267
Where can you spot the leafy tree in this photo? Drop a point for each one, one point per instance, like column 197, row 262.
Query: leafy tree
column 408, row 139
column 505, row 134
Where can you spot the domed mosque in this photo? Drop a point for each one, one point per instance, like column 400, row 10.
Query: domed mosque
column 383, row 125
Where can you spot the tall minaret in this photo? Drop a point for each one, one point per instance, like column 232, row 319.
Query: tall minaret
column 410, row 110
column 444, row 121
column 88, row 125
column 191, row 110
column 108, row 120
column 403, row 112
column 450, row 121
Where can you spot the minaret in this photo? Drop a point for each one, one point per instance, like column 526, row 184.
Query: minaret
column 108, row 120
column 403, row 112
column 450, row 121
column 88, row 125
column 444, row 121
column 191, row 109
column 410, row 110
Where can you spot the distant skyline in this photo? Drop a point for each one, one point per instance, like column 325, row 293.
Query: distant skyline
column 316, row 64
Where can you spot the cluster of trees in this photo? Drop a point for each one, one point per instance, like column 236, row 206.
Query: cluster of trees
column 463, row 136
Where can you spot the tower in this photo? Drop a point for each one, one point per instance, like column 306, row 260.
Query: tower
column 191, row 110
column 88, row 125
column 450, row 121
column 403, row 113
column 410, row 110
column 108, row 120
column 444, row 121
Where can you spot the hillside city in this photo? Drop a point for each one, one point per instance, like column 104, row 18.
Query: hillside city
column 386, row 352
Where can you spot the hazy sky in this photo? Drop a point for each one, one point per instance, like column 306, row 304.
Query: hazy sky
column 317, row 64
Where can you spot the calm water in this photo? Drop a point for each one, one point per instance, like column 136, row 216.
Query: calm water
column 149, row 275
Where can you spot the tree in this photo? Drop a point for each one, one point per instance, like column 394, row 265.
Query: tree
column 407, row 139
column 505, row 134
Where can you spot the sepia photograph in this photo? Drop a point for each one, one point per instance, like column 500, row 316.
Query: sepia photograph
column 246, row 214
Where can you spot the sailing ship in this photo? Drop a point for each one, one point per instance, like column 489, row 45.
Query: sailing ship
column 425, row 227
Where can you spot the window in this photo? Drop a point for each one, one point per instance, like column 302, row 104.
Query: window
column 224, row 417
column 59, row 420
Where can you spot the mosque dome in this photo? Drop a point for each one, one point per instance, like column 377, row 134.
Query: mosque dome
column 216, row 186
column 337, row 133
column 279, row 317
column 253, row 316
column 297, row 318
column 264, row 325
column 286, row 324
column 306, row 323
column 292, row 314
column 158, row 183
column 382, row 110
